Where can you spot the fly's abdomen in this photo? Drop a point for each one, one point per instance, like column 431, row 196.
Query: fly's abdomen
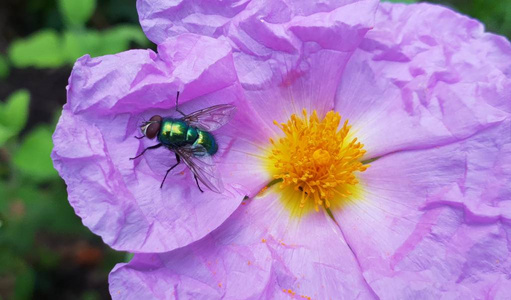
column 207, row 140
column 176, row 133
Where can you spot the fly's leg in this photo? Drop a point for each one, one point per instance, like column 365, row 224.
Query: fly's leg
column 139, row 137
column 178, row 158
column 177, row 107
column 197, row 181
column 148, row 148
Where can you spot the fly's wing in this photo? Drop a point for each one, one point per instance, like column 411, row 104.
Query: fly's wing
column 201, row 164
column 211, row 118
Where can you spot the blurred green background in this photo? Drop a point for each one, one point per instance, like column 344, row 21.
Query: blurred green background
column 45, row 251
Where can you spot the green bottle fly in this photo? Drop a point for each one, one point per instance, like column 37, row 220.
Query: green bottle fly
column 190, row 139
column 176, row 133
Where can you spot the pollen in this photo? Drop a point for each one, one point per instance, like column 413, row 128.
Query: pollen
column 318, row 158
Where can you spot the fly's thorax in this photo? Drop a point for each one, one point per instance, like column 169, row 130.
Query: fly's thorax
column 173, row 132
column 207, row 140
column 192, row 134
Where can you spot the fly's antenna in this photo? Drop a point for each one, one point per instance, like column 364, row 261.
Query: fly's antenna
column 141, row 120
column 177, row 103
column 144, row 122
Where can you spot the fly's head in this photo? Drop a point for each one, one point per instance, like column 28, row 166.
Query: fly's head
column 151, row 128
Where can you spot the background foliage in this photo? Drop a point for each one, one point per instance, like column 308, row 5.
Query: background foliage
column 45, row 251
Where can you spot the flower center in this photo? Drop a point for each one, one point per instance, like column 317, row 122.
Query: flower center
column 317, row 158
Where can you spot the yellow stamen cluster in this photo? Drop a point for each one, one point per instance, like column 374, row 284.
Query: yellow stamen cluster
column 316, row 158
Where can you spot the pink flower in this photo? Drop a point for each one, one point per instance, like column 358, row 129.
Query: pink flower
column 410, row 199
column 108, row 99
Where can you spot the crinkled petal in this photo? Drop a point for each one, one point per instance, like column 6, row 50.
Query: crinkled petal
column 288, row 55
column 261, row 252
column 162, row 19
column 424, row 76
column 435, row 223
column 120, row 199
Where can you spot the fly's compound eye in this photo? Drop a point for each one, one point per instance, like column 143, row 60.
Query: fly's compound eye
column 156, row 118
column 152, row 130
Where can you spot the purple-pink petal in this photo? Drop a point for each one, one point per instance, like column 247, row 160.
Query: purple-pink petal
column 108, row 98
column 261, row 252
column 436, row 221
column 291, row 52
column 427, row 92
column 162, row 19
column 424, row 76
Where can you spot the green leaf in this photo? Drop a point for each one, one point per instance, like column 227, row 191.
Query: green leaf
column 401, row 1
column 4, row 67
column 77, row 12
column 118, row 38
column 18, row 277
column 128, row 257
column 33, row 157
column 40, row 50
column 14, row 112
column 47, row 259
column 24, row 286
column 5, row 134
column 79, row 43
column 13, row 115
column 90, row 295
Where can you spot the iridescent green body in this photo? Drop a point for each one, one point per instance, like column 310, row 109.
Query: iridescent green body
column 175, row 133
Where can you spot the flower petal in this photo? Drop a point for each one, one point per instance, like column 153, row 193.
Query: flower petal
column 162, row 19
column 436, row 222
column 120, row 199
column 262, row 245
column 288, row 55
column 424, row 76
